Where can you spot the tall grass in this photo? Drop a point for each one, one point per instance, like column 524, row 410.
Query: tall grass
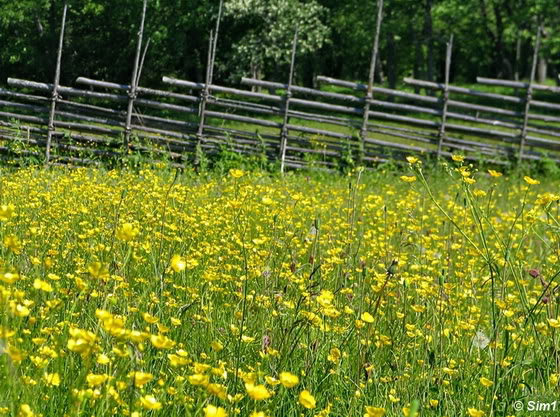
column 159, row 293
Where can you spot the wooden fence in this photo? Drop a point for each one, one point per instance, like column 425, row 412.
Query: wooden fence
column 342, row 123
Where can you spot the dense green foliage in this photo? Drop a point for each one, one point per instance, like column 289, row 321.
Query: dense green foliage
column 492, row 38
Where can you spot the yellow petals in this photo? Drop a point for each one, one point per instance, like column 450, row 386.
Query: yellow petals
column 8, row 277
column 257, row 392
column 486, row 382
column 42, row 285
column 13, row 244
column 199, row 379
column 458, row 158
column 406, row 178
column 366, row 317
column 127, row 232
column 236, row 173
column 148, row 318
column 98, row 270
column 307, row 400
column 52, row 380
column 149, row 402
column 288, row 379
column 94, row 380
column 213, row 411
column 142, row 378
column 161, row 342
column 479, row 193
column 374, row 411
column 531, row 181
column 495, row 174
column 178, row 264
column 554, row 323
column 473, row 412
column 103, row 359
column 25, row 411
column 216, row 346
column 7, row 211
column 334, row 355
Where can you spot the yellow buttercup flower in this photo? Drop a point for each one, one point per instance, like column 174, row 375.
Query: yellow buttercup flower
column 94, row 380
column 495, row 174
column 39, row 284
column 142, row 378
column 149, row 402
column 486, row 382
column 7, row 211
column 554, row 323
column 213, row 411
column 98, row 270
column 127, row 232
column 103, row 359
column 13, row 244
column 25, row 411
column 148, row 318
column 257, row 392
column 473, row 412
column 161, row 342
column 288, row 379
column 8, row 277
column 374, row 411
column 368, row 318
column 216, row 346
column 52, row 379
column 307, row 400
column 334, row 355
column 178, row 264
column 458, row 158
column 236, row 173
column 531, row 181
column 406, row 178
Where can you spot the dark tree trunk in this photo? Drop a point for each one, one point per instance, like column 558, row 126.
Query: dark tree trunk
column 503, row 65
column 418, row 58
column 429, row 39
column 380, row 72
column 392, row 65
column 542, row 70
column 517, row 57
column 491, row 36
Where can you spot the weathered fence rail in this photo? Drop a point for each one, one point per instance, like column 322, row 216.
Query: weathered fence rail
column 318, row 127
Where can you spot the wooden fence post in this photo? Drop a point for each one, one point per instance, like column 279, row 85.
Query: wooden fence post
column 205, row 92
column 132, row 92
column 55, row 97
column 374, row 53
column 528, row 97
column 441, row 133
column 284, row 129
column 214, row 45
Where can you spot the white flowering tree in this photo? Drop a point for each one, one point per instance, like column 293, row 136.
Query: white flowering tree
column 268, row 28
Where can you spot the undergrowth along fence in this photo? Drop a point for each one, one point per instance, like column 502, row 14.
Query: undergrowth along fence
column 343, row 123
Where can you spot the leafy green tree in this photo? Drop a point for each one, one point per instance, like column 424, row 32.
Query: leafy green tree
column 269, row 28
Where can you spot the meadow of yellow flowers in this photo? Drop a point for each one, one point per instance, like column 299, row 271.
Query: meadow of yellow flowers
column 153, row 293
